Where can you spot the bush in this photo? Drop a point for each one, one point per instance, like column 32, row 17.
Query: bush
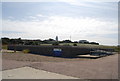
column 4, row 46
column 56, row 43
column 26, row 51
column 66, row 44
column 74, row 44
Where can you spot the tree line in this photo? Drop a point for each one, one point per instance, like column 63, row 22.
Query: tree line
column 6, row 41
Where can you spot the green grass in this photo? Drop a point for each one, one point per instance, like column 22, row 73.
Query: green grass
column 26, row 51
column 45, row 44
column 4, row 46
column 117, row 49
column 83, row 45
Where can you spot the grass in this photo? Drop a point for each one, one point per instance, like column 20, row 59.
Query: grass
column 117, row 49
column 4, row 46
column 45, row 44
column 78, row 44
column 26, row 51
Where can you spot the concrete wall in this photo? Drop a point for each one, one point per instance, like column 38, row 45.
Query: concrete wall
column 66, row 51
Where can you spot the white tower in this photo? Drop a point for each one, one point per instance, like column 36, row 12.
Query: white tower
column 56, row 38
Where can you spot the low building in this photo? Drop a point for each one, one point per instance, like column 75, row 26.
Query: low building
column 83, row 41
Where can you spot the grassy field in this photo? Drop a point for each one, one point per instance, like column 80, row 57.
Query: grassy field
column 117, row 49
column 91, row 45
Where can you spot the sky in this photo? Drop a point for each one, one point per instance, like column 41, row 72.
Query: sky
column 80, row 20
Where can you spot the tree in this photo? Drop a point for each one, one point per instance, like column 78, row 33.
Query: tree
column 5, row 40
column 94, row 43
column 51, row 39
column 67, row 41
column 75, row 41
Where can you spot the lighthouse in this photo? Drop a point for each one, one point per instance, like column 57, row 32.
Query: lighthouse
column 56, row 38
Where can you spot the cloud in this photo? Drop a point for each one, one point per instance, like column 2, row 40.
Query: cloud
column 75, row 1
column 40, row 15
column 99, row 4
column 57, row 0
column 93, row 29
column 32, row 17
column 11, row 17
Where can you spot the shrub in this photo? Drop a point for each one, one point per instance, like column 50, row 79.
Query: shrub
column 74, row 44
column 66, row 44
column 55, row 43
column 4, row 46
column 26, row 51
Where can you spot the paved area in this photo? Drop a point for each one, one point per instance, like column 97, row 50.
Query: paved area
column 0, row 66
column 102, row 68
column 31, row 73
column 0, row 75
column 12, row 64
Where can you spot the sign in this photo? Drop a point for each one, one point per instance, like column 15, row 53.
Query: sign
column 57, row 52
column 57, row 49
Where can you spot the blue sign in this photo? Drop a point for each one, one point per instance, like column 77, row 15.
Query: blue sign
column 57, row 52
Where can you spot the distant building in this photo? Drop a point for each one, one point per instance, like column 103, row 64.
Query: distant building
column 83, row 41
column 56, row 38
column 87, row 42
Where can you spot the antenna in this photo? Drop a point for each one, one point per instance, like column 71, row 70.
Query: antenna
column 70, row 37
